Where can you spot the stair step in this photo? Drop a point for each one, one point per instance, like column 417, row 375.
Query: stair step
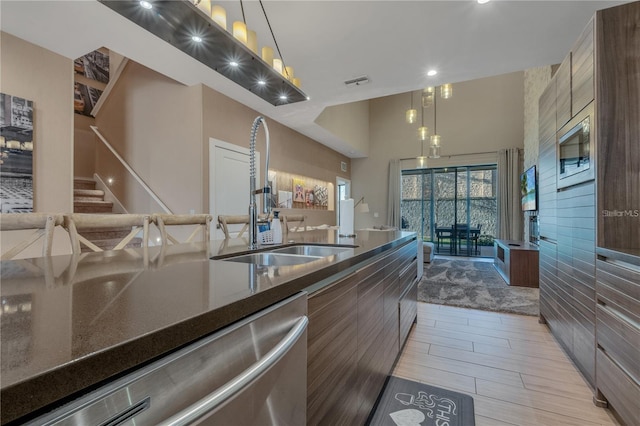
column 104, row 233
column 80, row 183
column 94, row 206
column 87, row 193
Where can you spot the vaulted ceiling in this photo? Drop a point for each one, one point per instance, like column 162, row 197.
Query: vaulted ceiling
column 393, row 42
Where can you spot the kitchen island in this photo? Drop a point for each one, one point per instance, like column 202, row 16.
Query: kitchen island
column 72, row 323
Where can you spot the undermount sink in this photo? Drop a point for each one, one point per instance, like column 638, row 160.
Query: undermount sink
column 311, row 250
column 287, row 256
column 273, row 259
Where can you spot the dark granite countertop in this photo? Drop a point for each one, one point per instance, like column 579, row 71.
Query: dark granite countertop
column 71, row 323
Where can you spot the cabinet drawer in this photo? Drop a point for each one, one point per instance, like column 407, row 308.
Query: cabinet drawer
column 399, row 260
column 619, row 287
column 408, row 275
column 620, row 339
column 622, row 392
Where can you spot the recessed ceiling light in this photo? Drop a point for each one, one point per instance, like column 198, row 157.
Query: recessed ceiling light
column 197, row 39
column 262, row 82
column 431, row 73
column 283, row 97
column 483, row 1
column 146, row 5
column 308, row 98
column 233, row 63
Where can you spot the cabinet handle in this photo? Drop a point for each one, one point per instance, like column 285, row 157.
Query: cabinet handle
column 129, row 413
column 238, row 383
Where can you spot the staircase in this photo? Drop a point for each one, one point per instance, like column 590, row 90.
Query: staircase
column 88, row 199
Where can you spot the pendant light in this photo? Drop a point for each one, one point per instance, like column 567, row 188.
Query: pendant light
column 219, row 16
column 434, row 149
column 446, row 91
column 423, row 131
column 427, row 96
column 412, row 114
column 421, row 161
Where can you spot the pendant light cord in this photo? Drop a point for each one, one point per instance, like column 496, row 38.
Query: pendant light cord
column 274, row 38
column 243, row 17
column 435, row 108
column 421, row 141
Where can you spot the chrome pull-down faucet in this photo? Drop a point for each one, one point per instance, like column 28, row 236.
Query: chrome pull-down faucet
column 265, row 191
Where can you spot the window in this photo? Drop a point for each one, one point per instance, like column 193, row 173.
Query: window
column 433, row 200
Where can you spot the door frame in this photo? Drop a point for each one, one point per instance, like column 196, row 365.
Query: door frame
column 347, row 183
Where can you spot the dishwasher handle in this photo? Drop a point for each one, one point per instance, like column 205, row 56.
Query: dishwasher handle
column 238, row 383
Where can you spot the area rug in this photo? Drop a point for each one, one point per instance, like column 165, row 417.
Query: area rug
column 475, row 285
column 408, row 403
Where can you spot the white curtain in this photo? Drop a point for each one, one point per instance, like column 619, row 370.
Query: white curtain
column 509, row 209
column 393, row 204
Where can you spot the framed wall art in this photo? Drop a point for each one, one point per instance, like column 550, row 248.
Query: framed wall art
column 16, row 154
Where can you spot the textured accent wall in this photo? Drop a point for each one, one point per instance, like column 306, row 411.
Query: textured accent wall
column 535, row 81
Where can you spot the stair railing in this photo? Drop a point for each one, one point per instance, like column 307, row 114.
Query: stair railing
column 132, row 172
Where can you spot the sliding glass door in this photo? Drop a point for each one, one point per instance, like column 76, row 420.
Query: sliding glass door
column 455, row 208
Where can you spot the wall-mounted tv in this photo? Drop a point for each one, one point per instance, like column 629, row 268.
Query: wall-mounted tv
column 528, row 190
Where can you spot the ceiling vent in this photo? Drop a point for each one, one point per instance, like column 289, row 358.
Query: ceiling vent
column 358, row 81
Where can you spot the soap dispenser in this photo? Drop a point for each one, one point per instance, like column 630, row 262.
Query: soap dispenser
column 276, row 228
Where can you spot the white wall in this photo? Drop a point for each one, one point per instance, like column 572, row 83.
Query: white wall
column 483, row 115
column 155, row 124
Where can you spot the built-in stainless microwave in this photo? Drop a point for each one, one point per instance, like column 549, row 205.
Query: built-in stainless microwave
column 576, row 149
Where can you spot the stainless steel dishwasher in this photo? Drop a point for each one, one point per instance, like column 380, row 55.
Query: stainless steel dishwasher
column 250, row 373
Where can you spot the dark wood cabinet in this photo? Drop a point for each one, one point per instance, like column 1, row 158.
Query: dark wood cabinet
column 618, row 132
column 582, row 75
column 590, row 302
column 618, row 333
column 517, row 262
column 355, row 327
column 332, row 394
column 617, row 63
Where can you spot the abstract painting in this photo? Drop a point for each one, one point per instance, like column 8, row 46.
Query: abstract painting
column 298, row 191
column 16, row 154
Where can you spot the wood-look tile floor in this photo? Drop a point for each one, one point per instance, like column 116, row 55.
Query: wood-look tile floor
column 512, row 367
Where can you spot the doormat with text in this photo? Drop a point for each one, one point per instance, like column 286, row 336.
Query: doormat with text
column 409, row 403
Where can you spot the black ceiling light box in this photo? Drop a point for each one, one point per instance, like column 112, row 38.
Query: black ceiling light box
column 183, row 25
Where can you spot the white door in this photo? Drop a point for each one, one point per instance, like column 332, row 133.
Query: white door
column 229, row 182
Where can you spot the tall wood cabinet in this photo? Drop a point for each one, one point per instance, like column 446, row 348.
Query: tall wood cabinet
column 618, row 195
column 590, row 232
column 567, row 222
